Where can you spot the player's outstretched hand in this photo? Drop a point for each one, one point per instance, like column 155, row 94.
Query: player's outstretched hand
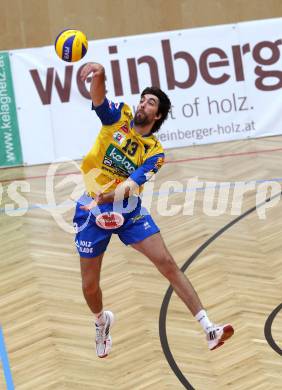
column 91, row 67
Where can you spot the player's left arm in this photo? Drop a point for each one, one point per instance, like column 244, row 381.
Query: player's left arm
column 142, row 174
column 130, row 186
column 148, row 169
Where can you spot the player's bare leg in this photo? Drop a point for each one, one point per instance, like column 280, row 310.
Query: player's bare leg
column 155, row 249
column 90, row 273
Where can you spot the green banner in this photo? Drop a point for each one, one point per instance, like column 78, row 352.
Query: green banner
column 10, row 144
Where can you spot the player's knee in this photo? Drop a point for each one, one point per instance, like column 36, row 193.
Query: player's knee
column 90, row 287
column 167, row 266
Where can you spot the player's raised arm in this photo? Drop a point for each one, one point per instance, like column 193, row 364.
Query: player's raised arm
column 97, row 88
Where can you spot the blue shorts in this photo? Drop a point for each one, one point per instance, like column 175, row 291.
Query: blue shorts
column 94, row 228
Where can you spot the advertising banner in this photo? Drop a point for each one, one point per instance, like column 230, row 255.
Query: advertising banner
column 225, row 83
column 10, row 146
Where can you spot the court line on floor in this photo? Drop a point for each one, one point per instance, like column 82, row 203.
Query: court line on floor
column 164, row 307
column 268, row 330
column 155, row 193
column 216, row 156
column 5, row 363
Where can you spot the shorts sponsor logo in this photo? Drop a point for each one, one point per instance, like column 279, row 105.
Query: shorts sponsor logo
column 146, row 225
column 84, row 246
column 120, row 161
column 137, row 218
column 109, row 220
column 119, row 137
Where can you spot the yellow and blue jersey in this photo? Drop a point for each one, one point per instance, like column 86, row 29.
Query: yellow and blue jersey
column 119, row 152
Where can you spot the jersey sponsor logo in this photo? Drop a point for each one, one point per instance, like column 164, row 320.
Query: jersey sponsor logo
column 109, row 220
column 159, row 162
column 119, row 137
column 120, row 161
column 107, row 162
column 124, row 128
column 146, row 147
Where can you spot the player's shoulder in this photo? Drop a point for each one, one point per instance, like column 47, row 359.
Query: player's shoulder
column 153, row 147
column 123, row 107
column 111, row 112
column 127, row 111
column 156, row 144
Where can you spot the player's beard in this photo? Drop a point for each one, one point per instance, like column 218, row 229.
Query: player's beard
column 141, row 118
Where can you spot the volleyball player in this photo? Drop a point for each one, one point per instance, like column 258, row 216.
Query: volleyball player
column 124, row 156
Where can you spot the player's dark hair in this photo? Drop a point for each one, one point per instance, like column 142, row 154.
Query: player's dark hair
column 164, row 105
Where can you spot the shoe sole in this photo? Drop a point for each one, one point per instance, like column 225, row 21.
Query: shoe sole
column 103, row 356
column 228, row 332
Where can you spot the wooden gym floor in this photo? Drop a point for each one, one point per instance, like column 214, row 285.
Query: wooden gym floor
column 48, row 328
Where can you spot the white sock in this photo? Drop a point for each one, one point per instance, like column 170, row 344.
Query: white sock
column 203, row 319
column 100, row 318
